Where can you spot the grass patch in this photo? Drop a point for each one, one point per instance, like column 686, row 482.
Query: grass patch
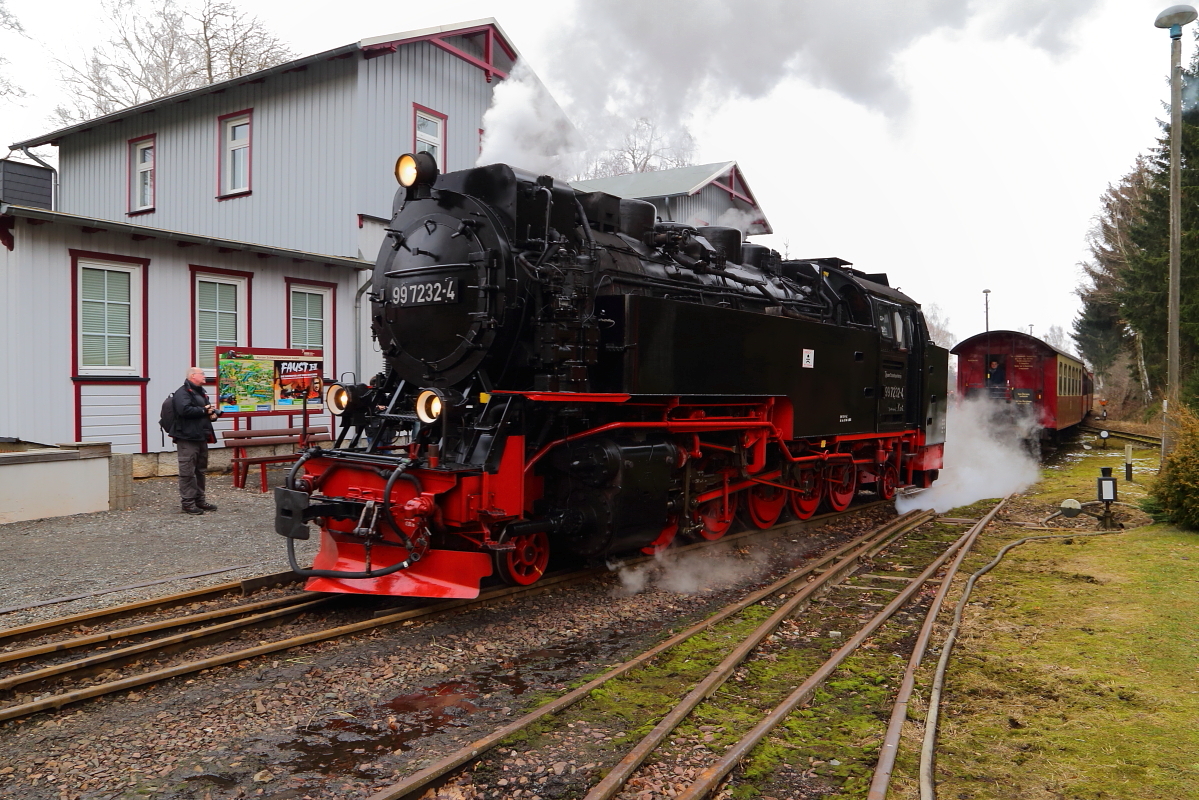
column 1076, row 673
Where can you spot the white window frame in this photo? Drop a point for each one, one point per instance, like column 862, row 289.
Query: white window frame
column 135, row 318
column 242, row 311
column 326, row 320
column 137, row 168
column 437, row 141
column 229, row 147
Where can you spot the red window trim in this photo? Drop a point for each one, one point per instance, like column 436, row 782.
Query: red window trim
column 330, row 352
column 197, row 269
column 221, row 194
column 130, row 211
column 445, row 136
column 114, row 258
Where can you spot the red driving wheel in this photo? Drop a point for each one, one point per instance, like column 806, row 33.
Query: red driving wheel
column 765, row 503
column 664, row 538
column 715, row 518
column 888, row 482
column 526, row 563
column 804, row 503
column 842, row 485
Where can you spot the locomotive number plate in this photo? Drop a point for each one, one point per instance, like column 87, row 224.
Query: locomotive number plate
column 444, row 290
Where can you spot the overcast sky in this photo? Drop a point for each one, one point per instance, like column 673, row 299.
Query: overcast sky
column 958, row 147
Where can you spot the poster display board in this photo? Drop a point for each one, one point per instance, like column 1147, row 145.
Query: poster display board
column 260, row 380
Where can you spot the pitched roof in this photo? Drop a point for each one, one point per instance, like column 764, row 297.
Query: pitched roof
column 660, row 183
column 370, row 48
column 680, row 182
column 96, row 225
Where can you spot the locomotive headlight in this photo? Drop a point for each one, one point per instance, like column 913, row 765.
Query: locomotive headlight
column 416, row 169
column 337, row 399
column 428, row 406
column 342, row 398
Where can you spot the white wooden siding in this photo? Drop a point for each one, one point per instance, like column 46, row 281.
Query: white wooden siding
column 419, row 73
column 324, row 146
column 112, row 414
column 301, row 164
column 37, row 398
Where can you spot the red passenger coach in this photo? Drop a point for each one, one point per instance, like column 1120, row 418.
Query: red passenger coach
column 1016, row 368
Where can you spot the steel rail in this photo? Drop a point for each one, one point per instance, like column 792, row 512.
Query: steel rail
column 618, row 775
column 68, row 598
column 424, row 777
column 149, row 627
column 60, row 700
column 58, row 623
column 899, row 711
column 66, row 668
column 1129, row 435
column 709, row 779
column 928, row 783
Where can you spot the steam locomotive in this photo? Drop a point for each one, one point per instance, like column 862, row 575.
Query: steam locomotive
column 566, row 373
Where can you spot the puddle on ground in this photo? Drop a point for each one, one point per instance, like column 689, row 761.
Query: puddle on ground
column 350, row 745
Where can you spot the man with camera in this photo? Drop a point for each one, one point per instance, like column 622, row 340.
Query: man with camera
column 192, row 432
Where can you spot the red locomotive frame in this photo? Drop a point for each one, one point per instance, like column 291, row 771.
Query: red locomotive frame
column 777, row 471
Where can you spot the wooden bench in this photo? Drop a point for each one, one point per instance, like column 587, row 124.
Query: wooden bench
column 240, row 440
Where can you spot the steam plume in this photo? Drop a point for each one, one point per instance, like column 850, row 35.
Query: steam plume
column 983, row 458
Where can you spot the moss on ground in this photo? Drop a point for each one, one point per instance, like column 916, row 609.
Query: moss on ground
column 1075, row 677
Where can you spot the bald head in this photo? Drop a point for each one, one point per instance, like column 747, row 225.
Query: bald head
column 195, row 376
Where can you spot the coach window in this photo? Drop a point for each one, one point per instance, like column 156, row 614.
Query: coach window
column 109, row 318
column 221, row 313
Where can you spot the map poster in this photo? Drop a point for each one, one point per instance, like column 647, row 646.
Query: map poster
column 269, row 381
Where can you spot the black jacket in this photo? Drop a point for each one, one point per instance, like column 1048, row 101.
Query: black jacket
column 191, row 420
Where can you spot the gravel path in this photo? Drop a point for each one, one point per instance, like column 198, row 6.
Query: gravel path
column 66, row 556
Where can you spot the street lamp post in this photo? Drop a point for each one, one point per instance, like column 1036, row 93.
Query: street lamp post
column 1174, row 18
column 987, row 309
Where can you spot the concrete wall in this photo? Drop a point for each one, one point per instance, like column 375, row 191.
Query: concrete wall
column 53, row 482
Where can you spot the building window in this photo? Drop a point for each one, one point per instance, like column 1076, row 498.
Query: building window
column 236, row 130
column 220, row 316
column 109, row 318
column 141, row 174
column 429, row 134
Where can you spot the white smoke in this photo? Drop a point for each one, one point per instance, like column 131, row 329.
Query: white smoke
column 525, row 128
column 984, row 457
column 669, row 61
column 692, row 572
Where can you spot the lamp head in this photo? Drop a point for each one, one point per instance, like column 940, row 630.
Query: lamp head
column 1176, row 15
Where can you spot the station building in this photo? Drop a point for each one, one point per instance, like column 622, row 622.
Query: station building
column 246, row 213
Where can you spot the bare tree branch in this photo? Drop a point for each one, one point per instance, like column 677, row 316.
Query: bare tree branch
column 156, row 48
column 645, row 148
column 9, row 23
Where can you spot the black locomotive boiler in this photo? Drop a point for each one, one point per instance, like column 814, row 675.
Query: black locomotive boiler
column 563, row 372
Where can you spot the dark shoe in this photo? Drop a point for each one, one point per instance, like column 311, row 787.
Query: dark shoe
column 206, row 506
column 192, row 510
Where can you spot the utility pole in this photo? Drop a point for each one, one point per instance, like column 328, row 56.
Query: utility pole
column 1174, row 18
column 987, row 308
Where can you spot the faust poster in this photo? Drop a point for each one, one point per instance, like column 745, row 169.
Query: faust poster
column 270, row 381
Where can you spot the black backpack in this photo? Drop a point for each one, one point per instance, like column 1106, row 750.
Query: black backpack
column 166, row 417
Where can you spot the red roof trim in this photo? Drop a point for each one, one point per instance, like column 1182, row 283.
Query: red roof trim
column 491, row 34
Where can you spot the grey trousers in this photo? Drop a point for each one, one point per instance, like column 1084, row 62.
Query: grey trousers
column 193, row 461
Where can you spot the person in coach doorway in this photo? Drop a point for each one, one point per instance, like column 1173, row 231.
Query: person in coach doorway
column 192, row 433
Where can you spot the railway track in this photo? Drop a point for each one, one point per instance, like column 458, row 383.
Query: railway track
column 40, row 670
column 626, row 771
column 1138, row 438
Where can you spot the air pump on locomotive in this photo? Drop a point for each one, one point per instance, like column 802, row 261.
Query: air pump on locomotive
column 565, row 373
